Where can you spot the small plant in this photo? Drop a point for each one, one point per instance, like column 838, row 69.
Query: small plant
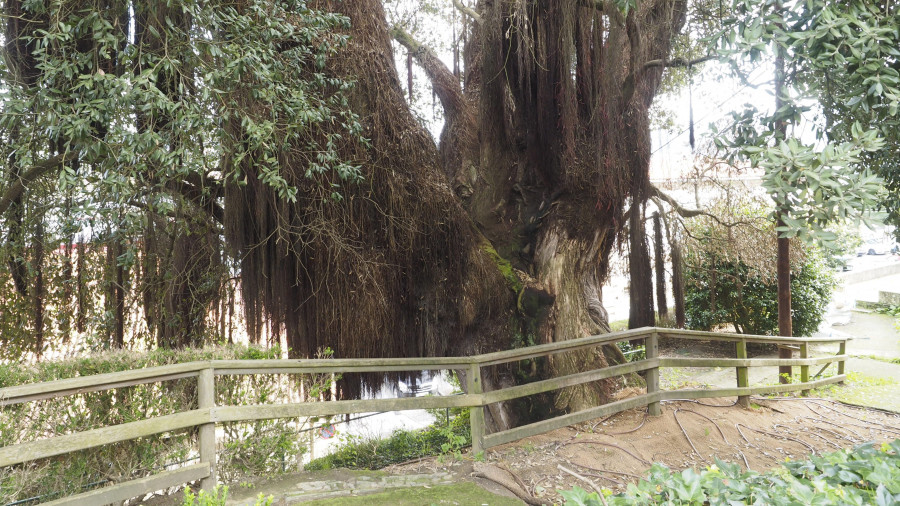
column 869, row 474
column 204, row 498
column 218, row 497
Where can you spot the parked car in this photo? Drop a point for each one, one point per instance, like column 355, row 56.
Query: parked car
column 877, row 247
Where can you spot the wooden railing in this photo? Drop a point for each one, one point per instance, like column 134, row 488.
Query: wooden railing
column 208, row 414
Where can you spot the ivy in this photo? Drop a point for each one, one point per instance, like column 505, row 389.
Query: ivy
column 867, row 474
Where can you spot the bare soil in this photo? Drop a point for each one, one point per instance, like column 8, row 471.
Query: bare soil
column 616, row 451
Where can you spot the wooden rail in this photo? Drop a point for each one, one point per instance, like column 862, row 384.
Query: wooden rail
column 207, row 414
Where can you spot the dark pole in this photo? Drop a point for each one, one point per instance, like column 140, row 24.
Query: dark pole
column 784, row 246
column 661, row 305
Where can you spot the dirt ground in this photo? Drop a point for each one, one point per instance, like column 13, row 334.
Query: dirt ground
column 612, row 452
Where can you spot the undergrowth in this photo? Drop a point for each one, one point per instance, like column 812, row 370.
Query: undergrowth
column 403, row 445
column 868, row 474
column 247, row 449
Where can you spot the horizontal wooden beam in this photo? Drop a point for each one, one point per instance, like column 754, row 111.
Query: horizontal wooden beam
column 136, row 488
column 709, row 393
column 746, row 362
column 533, row 429
column 328, row 369
column 328, row 408
column 59, row 445
column 502, row 357
column 568, row 381
column 750, row 338
column 341, row 364
column 98, row 382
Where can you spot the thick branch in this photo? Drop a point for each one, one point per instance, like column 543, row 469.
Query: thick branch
column 683, row 212
column 656, row 194
column 445, row 84
column 17, row 188
column 468, row 11
column 678, row 62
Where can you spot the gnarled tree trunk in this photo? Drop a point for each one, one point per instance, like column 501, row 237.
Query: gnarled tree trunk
column 504, row 228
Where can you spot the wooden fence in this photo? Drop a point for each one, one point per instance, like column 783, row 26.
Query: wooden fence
column 207, row 414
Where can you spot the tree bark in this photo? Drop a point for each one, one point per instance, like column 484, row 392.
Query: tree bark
column 661, row 304
column 505, row 228
column 640, row 273
column 678, row 284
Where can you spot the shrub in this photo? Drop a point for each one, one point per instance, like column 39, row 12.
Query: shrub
column 248, row 449
column 749, row 300
column 401, row 446
column 218, row 497
column 868, row 474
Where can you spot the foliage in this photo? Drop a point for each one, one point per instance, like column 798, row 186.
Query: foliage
column 750, row 302
column 730, row 273
column 251, row 449
column 218, row 497
column 141, row 115
column 891, row 310
column 401, row 446
column 868, row 474
column 853, row 43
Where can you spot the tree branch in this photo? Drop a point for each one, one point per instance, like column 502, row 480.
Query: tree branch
column 16, row 188
column 468, row 11
column 445, row 84
column 678, row 62
column 683, row 212
column 656, row 194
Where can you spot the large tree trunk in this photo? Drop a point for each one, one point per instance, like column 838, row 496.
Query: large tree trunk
column 503, row 229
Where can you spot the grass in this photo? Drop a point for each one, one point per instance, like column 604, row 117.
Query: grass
column 878, row 358
column 458, row 493
column 864, row 390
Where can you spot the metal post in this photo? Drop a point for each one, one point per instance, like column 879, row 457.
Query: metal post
column 476, row 413
column 651, row 351
column 743, row 374
column 206, row 396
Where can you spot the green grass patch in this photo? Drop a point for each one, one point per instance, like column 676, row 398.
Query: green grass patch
column 401, row 446
column 868, row 474
column 458, row 493
column 863, row 390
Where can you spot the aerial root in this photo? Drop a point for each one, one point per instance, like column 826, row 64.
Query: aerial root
column 582, row 478
column 611, row 445
column 502, row 477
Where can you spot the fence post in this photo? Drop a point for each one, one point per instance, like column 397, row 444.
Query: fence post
column 842, row 350
column 804, row 369
column 206, row 396
column 651, row 351
column 743, row 375
column 476, row 413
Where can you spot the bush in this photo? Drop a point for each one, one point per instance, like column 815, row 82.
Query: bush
column 866, row 475
column 749, row 300
column 401, row 446
column 248, row 449
column 218, row 497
